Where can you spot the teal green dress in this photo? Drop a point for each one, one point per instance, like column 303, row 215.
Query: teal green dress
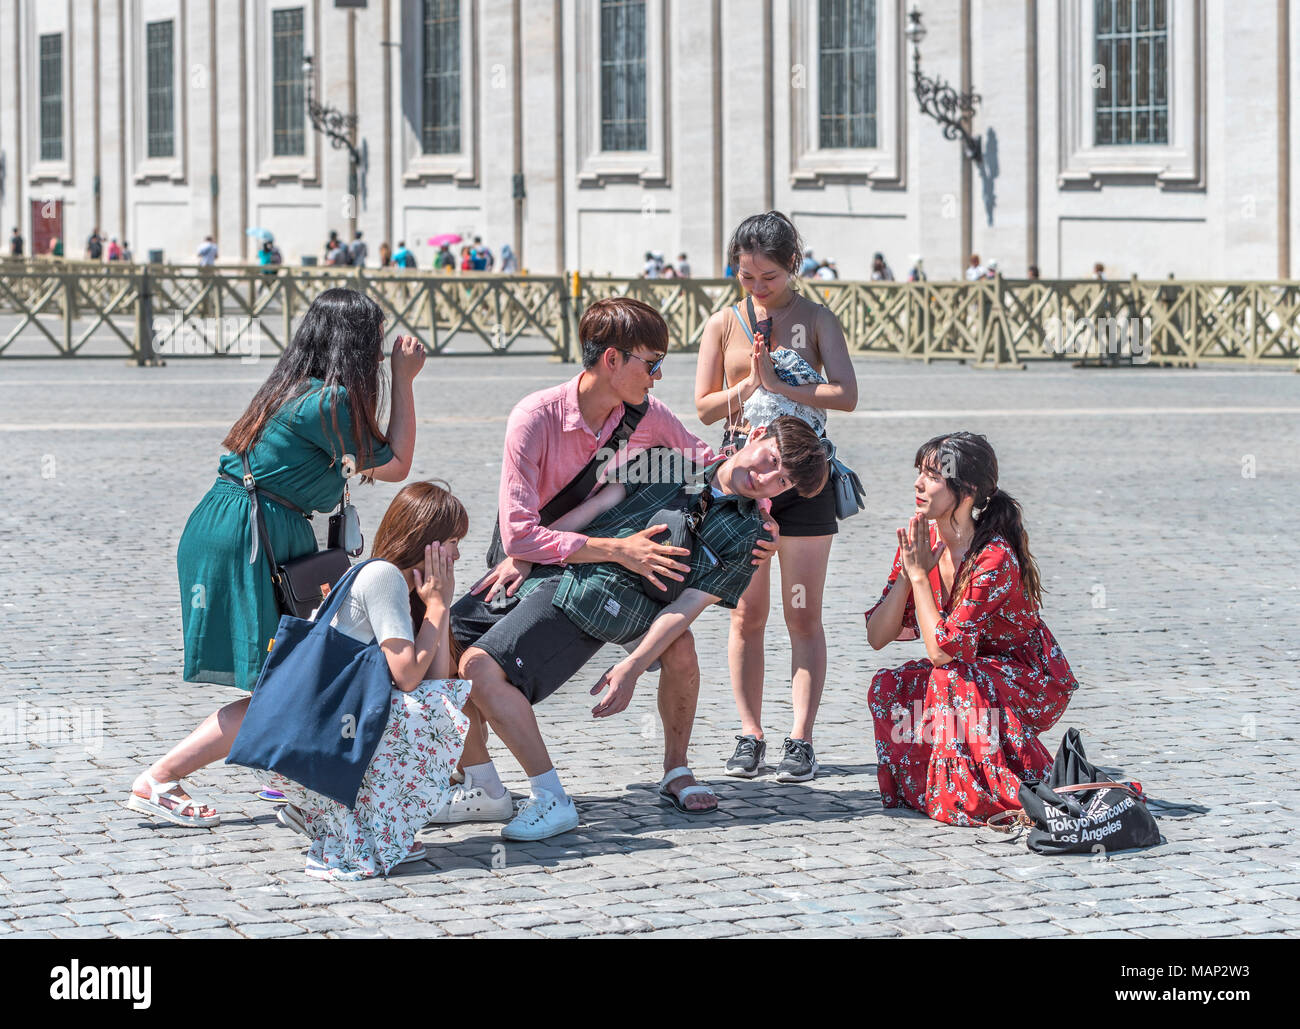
column 228, row 605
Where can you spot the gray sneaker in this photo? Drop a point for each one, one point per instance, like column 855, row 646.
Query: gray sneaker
column 746, row 762
column 798, row 762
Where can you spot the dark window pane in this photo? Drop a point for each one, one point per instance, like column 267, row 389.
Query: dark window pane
column 440, row 133
column 1131, row 44
column 623, row 98
column 51, row 73
column 1101, row 14
column 846, row 73
column 159, row 89
column 288, row 99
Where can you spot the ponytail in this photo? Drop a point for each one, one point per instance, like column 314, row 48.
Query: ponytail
column 1001, row 515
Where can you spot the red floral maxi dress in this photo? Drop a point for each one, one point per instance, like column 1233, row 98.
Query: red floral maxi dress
column 954, row 741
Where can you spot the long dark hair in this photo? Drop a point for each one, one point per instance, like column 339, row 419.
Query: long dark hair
column 771, row 234
column 420, row 514
column 340, row 340
column 970, row 468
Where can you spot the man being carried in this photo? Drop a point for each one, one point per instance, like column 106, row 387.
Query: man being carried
column 557, row 442
column 563, row 620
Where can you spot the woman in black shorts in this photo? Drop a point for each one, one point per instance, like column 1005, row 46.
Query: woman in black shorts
column 736, row 382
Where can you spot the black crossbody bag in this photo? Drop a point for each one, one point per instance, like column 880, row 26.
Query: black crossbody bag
column 302, row 583
column 683, row 518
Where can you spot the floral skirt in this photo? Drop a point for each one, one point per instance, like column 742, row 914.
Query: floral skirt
column 407, row 780
column 955, row 741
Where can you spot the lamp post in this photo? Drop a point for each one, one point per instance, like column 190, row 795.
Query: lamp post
column 339, row 128
column 952, row 110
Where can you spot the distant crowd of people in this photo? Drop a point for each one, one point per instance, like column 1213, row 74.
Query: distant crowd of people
column 337, row 252
column 478, row 257
column 97, row 249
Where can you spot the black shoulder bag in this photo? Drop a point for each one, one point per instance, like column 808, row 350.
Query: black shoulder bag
column 683, row 518
column 1079, row 810
column 304, row 582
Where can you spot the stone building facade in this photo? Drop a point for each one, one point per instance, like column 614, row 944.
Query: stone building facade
column 1154, row 136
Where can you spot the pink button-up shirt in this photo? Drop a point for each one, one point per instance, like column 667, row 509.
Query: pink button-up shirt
column 547, row 445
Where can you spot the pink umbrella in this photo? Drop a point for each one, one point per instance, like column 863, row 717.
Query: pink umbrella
column 445, row 240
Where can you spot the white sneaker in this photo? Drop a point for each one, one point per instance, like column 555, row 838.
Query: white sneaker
column 542, row 817
column 470, row 803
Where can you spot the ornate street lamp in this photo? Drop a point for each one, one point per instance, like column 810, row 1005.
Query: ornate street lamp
column 938, row 99
column 337, row 127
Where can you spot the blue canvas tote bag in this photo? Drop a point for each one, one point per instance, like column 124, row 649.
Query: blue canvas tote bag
column 320, row 705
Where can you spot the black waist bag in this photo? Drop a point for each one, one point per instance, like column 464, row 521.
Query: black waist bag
column 1079, row 810
column 678, row 534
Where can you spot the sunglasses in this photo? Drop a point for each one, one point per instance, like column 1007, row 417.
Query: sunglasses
column 651, row 366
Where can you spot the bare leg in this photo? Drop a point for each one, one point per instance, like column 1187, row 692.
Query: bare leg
column 745, row 649
column 475, row 752
column 803, row 580
column 679, row 693
column 210, row 742
column 506, row 710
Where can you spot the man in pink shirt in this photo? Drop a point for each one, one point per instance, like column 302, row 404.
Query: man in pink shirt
column 552, row 437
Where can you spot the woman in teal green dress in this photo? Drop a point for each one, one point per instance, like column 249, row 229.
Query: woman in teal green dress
column 311, row 425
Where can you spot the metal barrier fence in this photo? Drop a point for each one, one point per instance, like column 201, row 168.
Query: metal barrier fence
column 164, row 311
column 153, row 311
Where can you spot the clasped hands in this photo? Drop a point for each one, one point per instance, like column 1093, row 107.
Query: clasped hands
column 915, row 551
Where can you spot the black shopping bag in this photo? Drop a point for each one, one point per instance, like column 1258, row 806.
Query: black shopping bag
column 1079, row 810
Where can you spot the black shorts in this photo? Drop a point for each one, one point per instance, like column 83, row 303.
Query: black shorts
column 806, row 516
column 536, row 644
column 795, row 515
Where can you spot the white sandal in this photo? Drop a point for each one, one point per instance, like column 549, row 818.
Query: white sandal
column 678, row 799
column 176, row 815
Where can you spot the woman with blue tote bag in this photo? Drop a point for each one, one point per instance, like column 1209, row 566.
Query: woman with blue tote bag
column 312, row 425
column 398, row 606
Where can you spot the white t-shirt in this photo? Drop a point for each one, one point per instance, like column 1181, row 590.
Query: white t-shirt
column 378, row 607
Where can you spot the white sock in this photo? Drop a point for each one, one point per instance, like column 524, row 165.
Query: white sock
column 548, row 782
column 486, row 776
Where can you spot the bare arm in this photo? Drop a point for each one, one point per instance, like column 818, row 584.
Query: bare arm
column 927, row 620
column 408, row 359
column 429, row 657
column 711, row 399
column 918, row 558
column 840, row 391
column 587, row 512
column 619, row 682
column 886, row 621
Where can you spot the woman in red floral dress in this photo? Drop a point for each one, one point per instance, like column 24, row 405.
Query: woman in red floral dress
column 957, row 732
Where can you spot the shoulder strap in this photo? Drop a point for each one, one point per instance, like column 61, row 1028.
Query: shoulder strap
column 736, row 309
column 1080, row 787
column 340, row 591
column 255, row 520
column 581, row 486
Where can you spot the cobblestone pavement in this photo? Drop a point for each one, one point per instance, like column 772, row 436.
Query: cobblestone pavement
column 1158, row 503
